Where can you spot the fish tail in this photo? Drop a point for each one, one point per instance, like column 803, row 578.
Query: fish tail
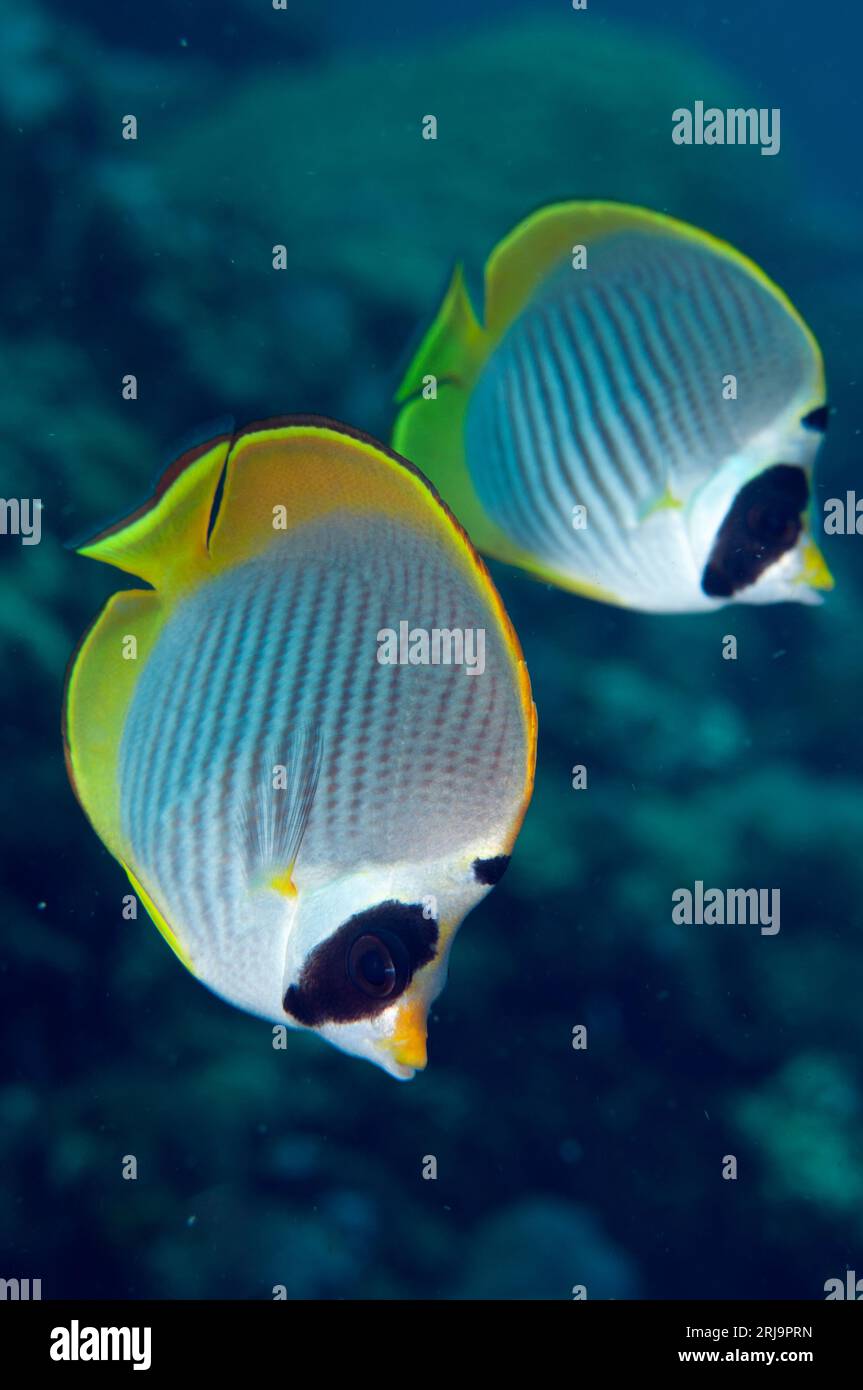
column 434, row 395
column 453, row 349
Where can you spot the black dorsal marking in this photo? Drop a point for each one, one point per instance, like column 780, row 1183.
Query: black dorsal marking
column 817, row 419
column 490, row 870
column 325, row 992
column 765, row 521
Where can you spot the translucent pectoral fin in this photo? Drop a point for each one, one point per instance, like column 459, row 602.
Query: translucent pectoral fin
column 274, row 814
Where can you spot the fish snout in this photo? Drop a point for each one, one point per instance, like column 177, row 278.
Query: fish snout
column 405, row 1049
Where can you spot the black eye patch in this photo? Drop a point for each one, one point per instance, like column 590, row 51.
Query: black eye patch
column 364, row 966
column 763, row 523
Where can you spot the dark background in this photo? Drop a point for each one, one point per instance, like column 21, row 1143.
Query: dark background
column 153, row 257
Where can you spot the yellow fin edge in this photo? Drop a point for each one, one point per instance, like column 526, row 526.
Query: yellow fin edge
column 138, row 546
column 283, row 883
column 165, row 541
column 815, row 572
column 159, row 921
column 522, row 259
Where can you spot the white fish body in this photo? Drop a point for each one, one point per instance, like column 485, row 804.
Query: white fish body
column 632, row 378
column 276, row 793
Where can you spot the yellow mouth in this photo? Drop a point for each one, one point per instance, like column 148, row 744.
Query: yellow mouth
column 814, row 571
column 408, row 1043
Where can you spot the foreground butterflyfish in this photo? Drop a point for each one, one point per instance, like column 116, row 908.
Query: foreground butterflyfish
column 310, row 743
column 634, row 416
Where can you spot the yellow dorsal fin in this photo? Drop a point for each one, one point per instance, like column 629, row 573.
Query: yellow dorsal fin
column 305, row 468
column 545, row 241
column 284, row 473
column 165, row 541
column 518, row 264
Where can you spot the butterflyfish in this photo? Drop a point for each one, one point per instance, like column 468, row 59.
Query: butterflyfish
column 288, row 739
column 634, row 416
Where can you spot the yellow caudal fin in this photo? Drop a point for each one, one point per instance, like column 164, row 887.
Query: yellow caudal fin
column 429, row 429
column 454, row 346
column 165, row 543
column 552, row 237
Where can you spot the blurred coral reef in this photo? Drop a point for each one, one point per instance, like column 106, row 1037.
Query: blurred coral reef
column 556, row 1167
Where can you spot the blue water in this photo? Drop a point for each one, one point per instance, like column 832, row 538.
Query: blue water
column 556, row 1167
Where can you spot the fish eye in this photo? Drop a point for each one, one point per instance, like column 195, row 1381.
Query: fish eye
column 362, row 967
column 378, row 964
